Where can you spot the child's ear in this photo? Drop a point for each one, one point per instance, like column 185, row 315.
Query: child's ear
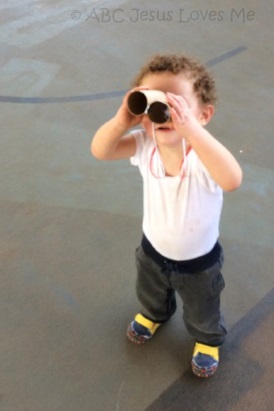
column 207, row 112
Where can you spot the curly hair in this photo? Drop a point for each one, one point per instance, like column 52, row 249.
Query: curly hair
column 203, row 82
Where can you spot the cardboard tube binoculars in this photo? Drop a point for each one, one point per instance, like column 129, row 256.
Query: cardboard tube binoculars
column 150, row 102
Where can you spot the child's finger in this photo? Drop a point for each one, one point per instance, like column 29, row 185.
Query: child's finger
column 179, row 109
column 178, row 101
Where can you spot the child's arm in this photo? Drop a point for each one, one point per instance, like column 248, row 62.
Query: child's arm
column 110, row 142
column 221, row 164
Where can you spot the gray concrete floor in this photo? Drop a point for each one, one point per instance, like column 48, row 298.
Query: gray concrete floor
column 70, row 224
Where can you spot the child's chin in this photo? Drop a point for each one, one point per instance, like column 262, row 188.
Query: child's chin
column 166, row 134
column 168, row 139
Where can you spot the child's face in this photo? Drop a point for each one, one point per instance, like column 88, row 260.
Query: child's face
column 177, row 84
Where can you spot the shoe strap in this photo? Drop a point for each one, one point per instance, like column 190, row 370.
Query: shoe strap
column 207, row 349
column 140, row 319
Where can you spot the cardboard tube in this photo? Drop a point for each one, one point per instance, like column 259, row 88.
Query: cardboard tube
column 139, row 101
column 154, row 95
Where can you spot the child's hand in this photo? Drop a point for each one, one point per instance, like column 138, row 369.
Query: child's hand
column 124, row 118
column 181, row 115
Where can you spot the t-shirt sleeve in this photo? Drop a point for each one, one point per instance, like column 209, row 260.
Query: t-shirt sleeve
column 205, row 178
column 139, row 136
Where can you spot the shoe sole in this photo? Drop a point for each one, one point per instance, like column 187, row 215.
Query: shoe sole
column 203, row 373
column 136, row 338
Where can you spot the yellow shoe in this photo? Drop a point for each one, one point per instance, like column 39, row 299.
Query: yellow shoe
column 141, row 329
column 205, row 360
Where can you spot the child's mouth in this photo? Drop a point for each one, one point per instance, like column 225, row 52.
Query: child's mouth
column 164, row 128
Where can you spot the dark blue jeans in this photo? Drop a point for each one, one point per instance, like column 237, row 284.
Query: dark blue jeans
column 200, row 293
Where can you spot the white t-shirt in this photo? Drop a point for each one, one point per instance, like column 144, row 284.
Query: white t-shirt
column 181, row 214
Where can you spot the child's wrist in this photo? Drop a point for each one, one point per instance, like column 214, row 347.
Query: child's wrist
column 191, row 128
column 119, row 127
column 196, row 133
